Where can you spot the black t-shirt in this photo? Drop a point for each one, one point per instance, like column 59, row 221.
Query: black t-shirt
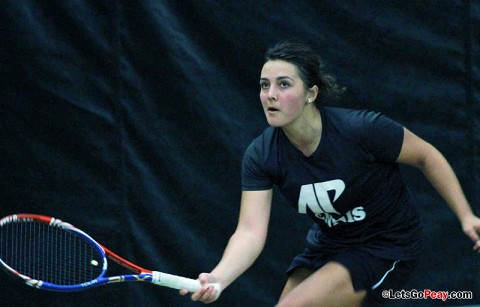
column 350, row 186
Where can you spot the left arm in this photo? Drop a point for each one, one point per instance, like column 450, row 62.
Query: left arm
column 420, row 154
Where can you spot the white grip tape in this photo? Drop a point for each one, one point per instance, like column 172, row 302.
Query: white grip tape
column 178, row 282
column 175, row 282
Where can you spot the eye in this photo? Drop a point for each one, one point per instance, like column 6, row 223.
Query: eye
column 264, row 85
column 284, row 84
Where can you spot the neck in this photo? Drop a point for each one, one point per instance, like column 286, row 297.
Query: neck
column 305, row 134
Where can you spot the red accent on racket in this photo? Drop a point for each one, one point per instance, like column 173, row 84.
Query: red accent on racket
column 47, row 253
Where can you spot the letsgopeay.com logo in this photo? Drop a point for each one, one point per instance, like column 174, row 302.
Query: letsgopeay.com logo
column 315, row 197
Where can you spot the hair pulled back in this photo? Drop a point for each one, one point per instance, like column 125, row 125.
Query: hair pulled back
column 309, row 66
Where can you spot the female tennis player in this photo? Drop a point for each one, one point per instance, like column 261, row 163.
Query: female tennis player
column 339, row 166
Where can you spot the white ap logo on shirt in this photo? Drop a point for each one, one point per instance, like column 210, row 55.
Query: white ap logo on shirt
column 315, row 197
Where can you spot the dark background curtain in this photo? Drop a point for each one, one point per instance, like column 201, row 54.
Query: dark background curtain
column 129, row 119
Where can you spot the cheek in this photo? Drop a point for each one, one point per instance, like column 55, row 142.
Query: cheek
column 292, row 104
column 263, row 98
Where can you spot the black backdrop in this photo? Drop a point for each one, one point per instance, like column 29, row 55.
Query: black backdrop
column 129, row 120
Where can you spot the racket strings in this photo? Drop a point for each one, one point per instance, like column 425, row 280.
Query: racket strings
column 50, row 254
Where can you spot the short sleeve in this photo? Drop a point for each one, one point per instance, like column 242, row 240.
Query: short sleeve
column 254, row 176
column 384, row 136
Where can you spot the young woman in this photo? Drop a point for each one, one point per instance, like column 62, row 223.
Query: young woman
column 340, row 167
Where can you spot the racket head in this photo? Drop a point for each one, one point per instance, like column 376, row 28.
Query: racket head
column 49, row 254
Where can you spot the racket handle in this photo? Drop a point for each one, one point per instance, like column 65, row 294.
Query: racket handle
column 178, row 282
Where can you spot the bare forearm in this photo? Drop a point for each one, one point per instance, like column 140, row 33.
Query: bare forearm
column 418, row 153
column 241, row 252
column 442, row 177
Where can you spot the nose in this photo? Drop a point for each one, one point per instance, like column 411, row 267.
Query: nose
column 272, row 93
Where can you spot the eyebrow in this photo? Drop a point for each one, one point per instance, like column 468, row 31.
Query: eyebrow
column 278, row 78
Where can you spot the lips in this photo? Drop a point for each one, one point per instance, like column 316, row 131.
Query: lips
column 272, row 109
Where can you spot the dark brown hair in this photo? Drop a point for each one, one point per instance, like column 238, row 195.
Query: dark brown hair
column 309, row 65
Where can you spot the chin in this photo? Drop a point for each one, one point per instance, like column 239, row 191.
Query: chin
column 274, row 123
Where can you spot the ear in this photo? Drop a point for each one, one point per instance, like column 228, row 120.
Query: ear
column 313, row 93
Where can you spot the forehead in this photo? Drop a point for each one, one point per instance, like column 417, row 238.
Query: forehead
column 278, row 68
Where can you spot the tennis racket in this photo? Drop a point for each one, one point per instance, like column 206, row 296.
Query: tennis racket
column 49, row 254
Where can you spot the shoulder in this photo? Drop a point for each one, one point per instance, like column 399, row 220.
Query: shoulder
column 357, row 120
column 263, row 143
column 258, row 159
column 352, row 116
column 373, row 131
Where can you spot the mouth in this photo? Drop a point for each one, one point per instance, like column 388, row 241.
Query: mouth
column 272, row 110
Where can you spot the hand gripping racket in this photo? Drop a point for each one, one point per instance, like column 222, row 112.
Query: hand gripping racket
column 49, row 254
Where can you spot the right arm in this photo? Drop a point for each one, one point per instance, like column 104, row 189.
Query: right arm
column 244, row 246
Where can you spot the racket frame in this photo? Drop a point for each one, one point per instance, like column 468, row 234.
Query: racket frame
column 142, row 275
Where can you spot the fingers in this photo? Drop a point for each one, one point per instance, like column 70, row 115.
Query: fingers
column 471, row 227
column 472, row 234
column 476, row 247
column 206, row 295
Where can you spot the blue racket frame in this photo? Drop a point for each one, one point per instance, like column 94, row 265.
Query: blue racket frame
column 142, row 275
column 44, row 285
